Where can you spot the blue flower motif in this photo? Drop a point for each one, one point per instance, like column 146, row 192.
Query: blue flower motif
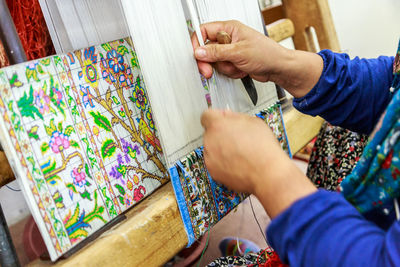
column 115, row 61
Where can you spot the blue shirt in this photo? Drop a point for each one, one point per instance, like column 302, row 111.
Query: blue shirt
column 323, row 229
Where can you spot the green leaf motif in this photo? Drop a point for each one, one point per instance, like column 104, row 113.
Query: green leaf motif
column 14, row 82
column 58, row 62
column 33, row 163
column 46, row 61
column 74, row 144
column 121, row 200
column 120, row 189
column 32, row 133
column 87, row 171
column 106, row 47
column 116, row 101
column 40, row 69
column 122, row 50
column 86, row 195
column 69, row 130
column 53, row 180
column 27, row 107
column 101, row 121
column 60, row 127
column 44, row 147
column 108, row 148
column 48, row 167
column 58, row 199
column 101, row 209
column 72, row 188
column 51, row 128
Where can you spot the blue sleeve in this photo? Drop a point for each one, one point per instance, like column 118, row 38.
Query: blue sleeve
column 323, row 229
column 350, row 93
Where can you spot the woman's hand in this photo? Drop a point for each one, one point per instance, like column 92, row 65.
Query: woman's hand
column 252, row 53
column 241, row 152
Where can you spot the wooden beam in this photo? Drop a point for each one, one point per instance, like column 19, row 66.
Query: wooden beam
column 273, row 13
column 280, row 30
column 300, row 128
column 311, row 13
column 6, row 173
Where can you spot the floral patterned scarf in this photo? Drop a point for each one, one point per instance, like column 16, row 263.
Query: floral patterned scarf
column 375, row 181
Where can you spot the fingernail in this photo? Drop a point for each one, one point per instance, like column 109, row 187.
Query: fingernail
column 200, row 53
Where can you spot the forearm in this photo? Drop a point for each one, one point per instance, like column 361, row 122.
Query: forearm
column 298, row 72
column 350, row 93
column 285, row 185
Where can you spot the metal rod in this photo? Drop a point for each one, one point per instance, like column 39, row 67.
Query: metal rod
column 9, row 36
column 8, row 255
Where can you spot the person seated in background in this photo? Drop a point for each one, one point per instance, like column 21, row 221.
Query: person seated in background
column 310, row 227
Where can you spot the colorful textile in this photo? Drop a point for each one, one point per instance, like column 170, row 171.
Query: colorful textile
column 273, row 118
column 334, row 155
column 375, row 182
column 266, row 258
column 203, row 202
column 78, row 131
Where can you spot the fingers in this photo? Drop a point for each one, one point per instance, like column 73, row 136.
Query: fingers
column 225, row 68
column 205, row 69
column 210, row 116
column 215, row 116
column 209, row 30
column 216, row 52
column 229, row 70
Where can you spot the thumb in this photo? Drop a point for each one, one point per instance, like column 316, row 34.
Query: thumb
column 215, row 52
column 211, row 116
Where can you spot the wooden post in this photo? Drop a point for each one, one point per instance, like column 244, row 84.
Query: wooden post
column 312, row 13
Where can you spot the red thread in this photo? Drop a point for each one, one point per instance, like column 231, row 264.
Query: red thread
column 31, row 28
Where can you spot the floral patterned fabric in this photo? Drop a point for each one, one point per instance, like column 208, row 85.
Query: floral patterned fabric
column 375, row 182
column 266, row 257
column 334, row 155
column 203, row 202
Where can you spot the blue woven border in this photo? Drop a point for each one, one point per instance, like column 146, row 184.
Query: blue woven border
column 284, row 129
column 180, row 199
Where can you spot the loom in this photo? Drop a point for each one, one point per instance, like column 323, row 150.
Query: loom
column 168, row 71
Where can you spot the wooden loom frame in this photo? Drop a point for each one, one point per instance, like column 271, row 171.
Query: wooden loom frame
column 153, row 231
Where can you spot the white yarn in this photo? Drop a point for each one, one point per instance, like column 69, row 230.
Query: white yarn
column 170, row 72
column 228, row 92
column 77, row 24
column 165, row 55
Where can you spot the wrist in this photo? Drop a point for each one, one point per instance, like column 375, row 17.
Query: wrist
column 282, row 185
column 299, row 72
